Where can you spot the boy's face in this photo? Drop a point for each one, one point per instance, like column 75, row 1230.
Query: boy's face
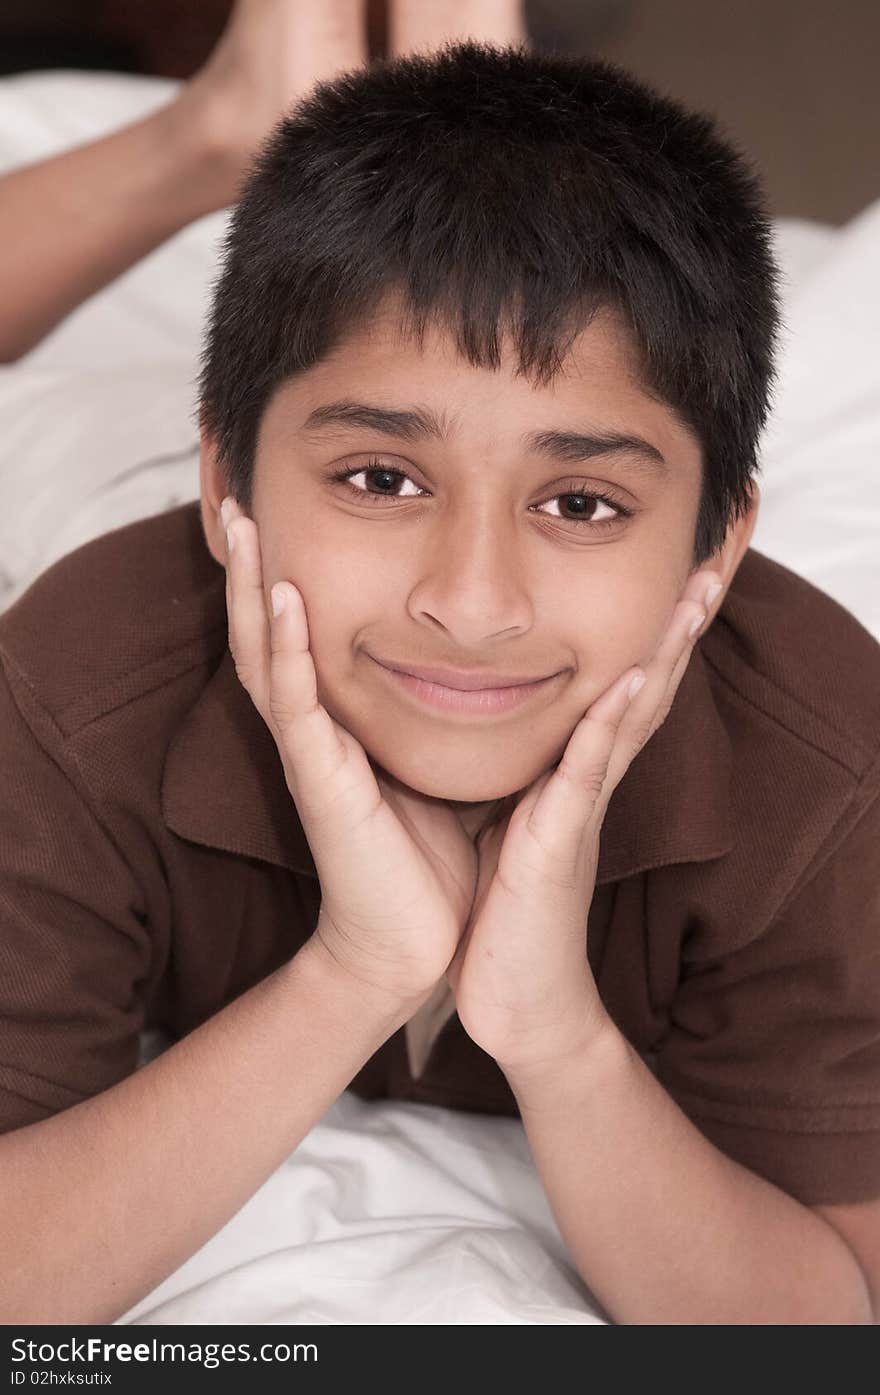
column 471, row 557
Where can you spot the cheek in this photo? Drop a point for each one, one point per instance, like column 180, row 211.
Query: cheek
column 299, row 559
column 608, row 629
column 341, row 608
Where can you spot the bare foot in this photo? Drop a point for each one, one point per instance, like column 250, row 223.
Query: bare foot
column 426, row 24
column 271, row 53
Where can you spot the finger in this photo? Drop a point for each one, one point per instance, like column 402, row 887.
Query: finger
column 275, row 667
column 522, row 811
column 574, row 796
column 326, row 774
column 682, row 633
column 663, row 676
column 246, row 608
column 596, row 757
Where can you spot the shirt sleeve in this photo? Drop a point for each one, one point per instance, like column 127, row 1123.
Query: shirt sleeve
column 774, row 1050
column 74, row 947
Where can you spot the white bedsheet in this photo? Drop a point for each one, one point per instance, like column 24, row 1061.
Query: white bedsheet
column 387, row 1212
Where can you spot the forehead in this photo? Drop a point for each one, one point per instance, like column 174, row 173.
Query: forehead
column 381, row 360
column 603, row 345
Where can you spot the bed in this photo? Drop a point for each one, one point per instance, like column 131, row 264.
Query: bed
column 387, row 1213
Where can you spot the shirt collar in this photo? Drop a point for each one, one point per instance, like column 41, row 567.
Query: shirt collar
column 223, row 784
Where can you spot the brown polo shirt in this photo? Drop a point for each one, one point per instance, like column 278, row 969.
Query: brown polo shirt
column 153, row 868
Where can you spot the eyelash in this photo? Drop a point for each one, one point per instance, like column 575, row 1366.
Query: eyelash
column 375, row 467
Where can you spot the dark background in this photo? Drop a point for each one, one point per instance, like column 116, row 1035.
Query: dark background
column 794, row 82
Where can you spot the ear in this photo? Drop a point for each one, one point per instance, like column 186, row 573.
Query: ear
column 727, row 559
column 214, row 488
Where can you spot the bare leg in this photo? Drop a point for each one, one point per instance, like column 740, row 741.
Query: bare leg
column 426, row 24
column 71, row 224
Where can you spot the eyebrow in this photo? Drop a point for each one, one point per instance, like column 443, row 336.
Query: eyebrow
column 420, row 424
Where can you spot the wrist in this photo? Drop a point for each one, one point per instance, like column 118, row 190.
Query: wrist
column 558, row 1078
column 384, row 1005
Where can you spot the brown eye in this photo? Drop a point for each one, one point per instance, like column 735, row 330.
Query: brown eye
column 590, row 510
column 386, row 479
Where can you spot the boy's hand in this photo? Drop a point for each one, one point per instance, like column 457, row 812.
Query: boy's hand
column 397, row 870
column 522, row 981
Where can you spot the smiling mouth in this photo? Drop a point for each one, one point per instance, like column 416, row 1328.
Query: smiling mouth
column 470, row 702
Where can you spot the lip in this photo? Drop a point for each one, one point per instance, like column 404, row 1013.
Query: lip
column 472, row 701
column 467, row 682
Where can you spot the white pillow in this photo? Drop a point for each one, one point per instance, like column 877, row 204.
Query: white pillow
column 820, row 509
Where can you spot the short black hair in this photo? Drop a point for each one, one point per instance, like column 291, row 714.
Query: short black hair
column 504, row 191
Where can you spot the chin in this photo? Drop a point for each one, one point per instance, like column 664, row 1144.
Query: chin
column 468, row 788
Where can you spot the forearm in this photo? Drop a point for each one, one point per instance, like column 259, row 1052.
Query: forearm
column 663, row 1227
column 103, row 1201
column 71, row 224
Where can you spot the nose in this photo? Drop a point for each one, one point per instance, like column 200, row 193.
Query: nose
column 472, row 581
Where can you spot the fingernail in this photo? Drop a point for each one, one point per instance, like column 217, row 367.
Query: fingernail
column 637, row 683
column 697, row 625
column 227, row 510
column 230, row 539
column 712, row 592
column 279, row 598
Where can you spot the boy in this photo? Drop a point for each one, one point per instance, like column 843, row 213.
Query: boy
column 355, row 792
